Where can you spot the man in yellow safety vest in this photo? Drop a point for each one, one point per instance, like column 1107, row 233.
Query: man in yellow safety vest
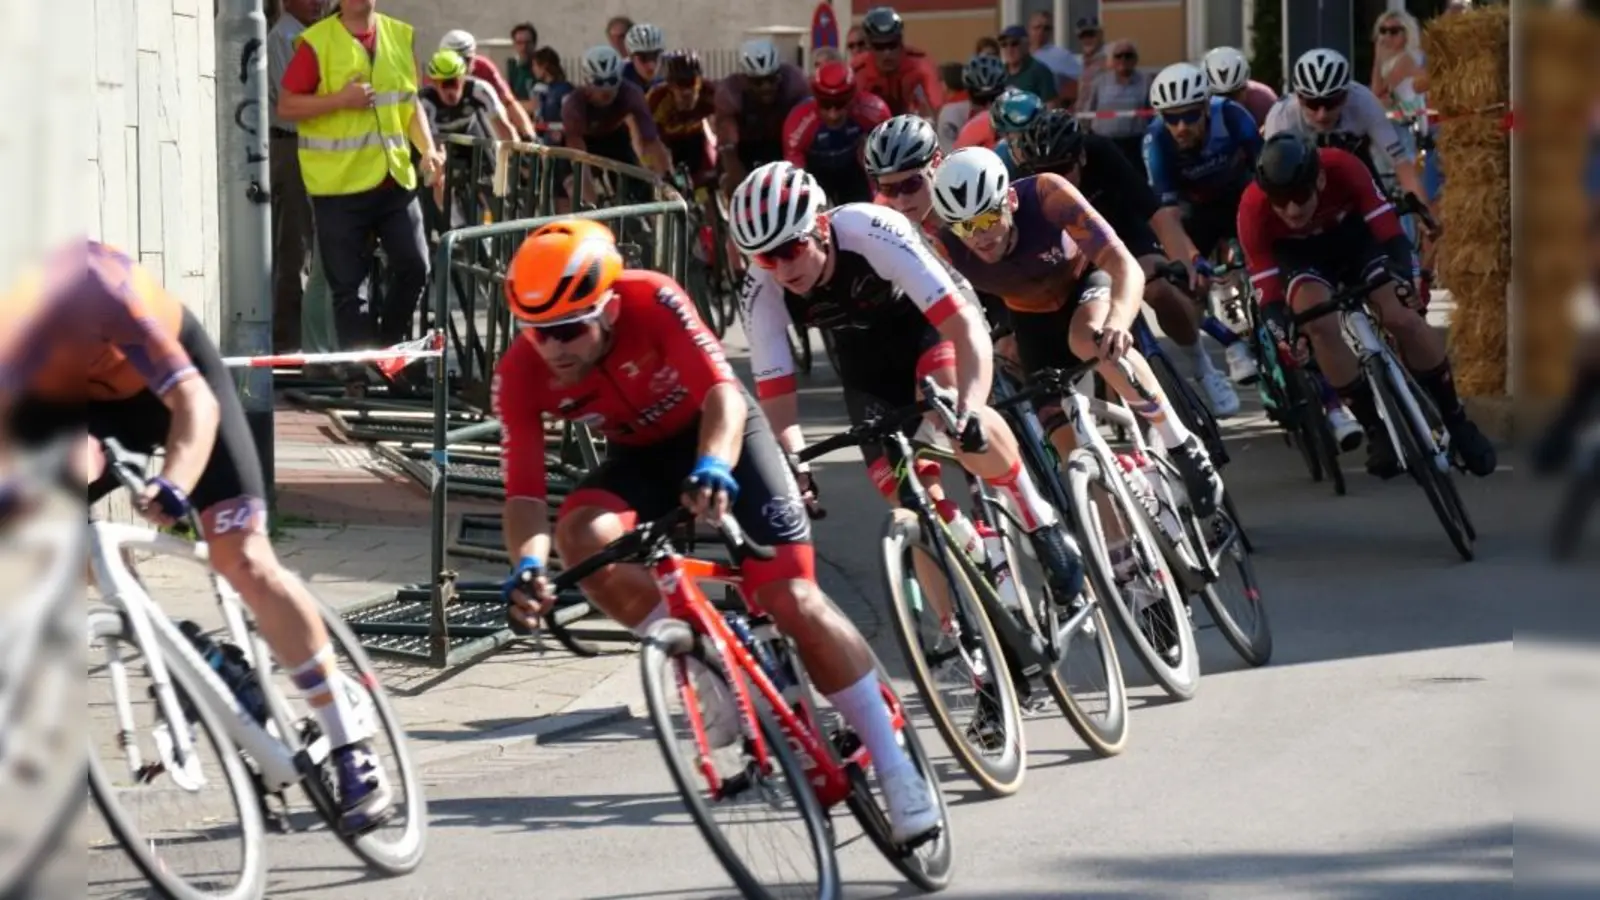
column 351, row 89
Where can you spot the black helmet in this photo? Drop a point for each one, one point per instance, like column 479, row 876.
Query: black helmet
column 882, row 24
column 682, row 67
column 1287, row 168
column 984, row 76
column 1053, row 140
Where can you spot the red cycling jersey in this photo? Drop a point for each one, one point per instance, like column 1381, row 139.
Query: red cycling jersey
column 911, row 88
column 1348, row 190
column 978, row 132
column 649, row 386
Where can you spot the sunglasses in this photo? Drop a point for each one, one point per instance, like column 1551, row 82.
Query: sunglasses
column 856, row 46
column 784, row 252
column 1184, row 117
column 1391, row 30
column 1281, row 199
column 905, row 187
column 451, row 83
column 565, row 333
column 834, row 104
column 761, row 82
column 607, row 83
column 978, row 223
column 1125, row 55
column 1085, row 35
column 1010, row 42
column 648, row 56
column 884, row 48
column 1322, row 103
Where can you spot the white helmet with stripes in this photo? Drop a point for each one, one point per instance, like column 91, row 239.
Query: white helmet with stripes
column 644, row 38
column 460, row 41
column 758, row 58
column 1227, row 68
column 775, row 204
column 1320, row 73
column 970, row 182
column 602, row 63
column 1179, row 85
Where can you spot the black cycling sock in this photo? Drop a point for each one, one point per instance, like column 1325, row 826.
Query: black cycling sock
column 1441, row 386
column 1358, row 396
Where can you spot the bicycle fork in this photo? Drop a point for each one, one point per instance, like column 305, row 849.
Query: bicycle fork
column 1376, row 357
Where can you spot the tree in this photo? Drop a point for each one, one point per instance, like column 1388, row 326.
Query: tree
column 1266, row 44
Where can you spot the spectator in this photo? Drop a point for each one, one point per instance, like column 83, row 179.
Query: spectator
column 481, row 68
column 855, row 41
column 1121, row 88
column 617, row 34
column 1059, row 60
column 355, row 111
column 519, row 68
column 987, row 46
column 553, row 88
column 1022, row 70
column 292, row 230
column 957, row 108
column 1092, row 58
column 1400, row 81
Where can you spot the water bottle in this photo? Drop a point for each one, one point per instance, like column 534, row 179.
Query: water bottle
column 777, row 664
column 231, row 666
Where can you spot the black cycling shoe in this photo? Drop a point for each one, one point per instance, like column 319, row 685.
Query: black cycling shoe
column 1381, row 459
column 1059, row 555
column 986, row 730
column 1199, row 476
column 1476, row 452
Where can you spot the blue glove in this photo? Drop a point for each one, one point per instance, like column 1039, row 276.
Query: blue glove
column 172, row 500
column 1202, row 266
column 714, row 473
column 533, row 566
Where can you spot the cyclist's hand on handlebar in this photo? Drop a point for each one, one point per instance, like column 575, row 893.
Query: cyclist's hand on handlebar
column 529, row 595
column 1275, row 317
column 710, row 489
column 1113, row 342
column 1200, row 275
column 163, row 502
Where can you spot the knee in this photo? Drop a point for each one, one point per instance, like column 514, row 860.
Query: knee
column 793, row 601
column 248, row 563
column 1082, row 345
column 1323, row 331
column 577, row 538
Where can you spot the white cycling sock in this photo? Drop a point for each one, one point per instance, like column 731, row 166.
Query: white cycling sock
column 650, row 618
column 1036, row 511
column 861, row 704
column 335, row 699
column 1159, row 415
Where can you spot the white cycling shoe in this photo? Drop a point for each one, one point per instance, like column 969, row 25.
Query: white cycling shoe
column 912, row 809
column 1220, row 395
column 1241, row 365
column 1347, row 432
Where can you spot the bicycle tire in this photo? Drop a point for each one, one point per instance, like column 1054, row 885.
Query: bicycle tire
column 404, row 854
column 671, row 638
column 1317, row 431
column 1253, row 646
column 1000, row 777
column 105, row 623
column 1422, row 468
column 1179, row 681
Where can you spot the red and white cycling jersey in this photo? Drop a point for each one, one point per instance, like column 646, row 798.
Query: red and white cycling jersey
column 882, row 270
column 649, row 387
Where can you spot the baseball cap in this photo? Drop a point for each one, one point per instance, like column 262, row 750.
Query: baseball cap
column 1014, row 33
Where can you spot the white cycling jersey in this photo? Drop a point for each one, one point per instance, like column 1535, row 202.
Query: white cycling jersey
column 1363, row 129
column 883, row 271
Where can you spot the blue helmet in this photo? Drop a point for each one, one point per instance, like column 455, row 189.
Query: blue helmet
column 1014, row 110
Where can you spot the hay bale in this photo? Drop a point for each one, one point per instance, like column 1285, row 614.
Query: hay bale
column 1468, row 59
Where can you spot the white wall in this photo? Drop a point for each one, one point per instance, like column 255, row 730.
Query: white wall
column 572, row 26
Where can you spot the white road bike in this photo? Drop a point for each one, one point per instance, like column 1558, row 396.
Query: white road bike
column 257, row 760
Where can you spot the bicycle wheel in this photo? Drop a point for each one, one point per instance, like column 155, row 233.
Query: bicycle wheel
column 1160, row 632
column 663, row 654
column 1234, row 598
column 1435, row 484
column 243, row 878
column 397, row 846
column 964, row 649
column 1086, row 681
column 1316, row 434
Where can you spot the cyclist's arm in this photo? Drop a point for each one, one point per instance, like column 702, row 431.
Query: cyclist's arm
column 726, row 124
column 766, row 322
column 926, row 94
column 1167, row 223
column 1375, row 208
column 498, row 120
column 574, row 126
column 1256, row 242
column 525, row 518
column 1065, row 208
column 799, row 130
column 1134, row 191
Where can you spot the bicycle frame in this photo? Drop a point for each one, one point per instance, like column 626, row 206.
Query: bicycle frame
column 23, row 630
column 678, row 577
column 163, row 646
column 1373, row 350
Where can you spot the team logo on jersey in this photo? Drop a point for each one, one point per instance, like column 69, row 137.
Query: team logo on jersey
column 630, row 368
column 1054, row 256
column 663, row 380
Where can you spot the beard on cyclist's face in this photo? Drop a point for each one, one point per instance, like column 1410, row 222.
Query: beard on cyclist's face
column 684, row 94
column 801, row 271
column 887, row 55
column 1187, row 126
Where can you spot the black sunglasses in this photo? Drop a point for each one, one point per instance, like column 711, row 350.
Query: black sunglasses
column 856, row 46
column 884, row 47
column 648, row 56
column 1391, row 30
column 1125, row 55
column 564, row 333
column 605, row 83
column 1321, row 103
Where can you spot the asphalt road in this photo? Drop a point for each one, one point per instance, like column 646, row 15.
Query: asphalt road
column 1379, row 755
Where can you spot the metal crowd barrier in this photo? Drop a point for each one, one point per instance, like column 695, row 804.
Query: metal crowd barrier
column 447, row 621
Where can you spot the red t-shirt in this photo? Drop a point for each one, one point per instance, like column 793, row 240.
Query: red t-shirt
column 913, row 84
column 304, row 75
column 650, row 386
column 482, row 68
column 1349, row 190
column 978, row 132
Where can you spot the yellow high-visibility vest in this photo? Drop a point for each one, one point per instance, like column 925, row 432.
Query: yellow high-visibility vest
column 351, row 150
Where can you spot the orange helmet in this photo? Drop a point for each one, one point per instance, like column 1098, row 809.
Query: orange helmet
column 562, row 272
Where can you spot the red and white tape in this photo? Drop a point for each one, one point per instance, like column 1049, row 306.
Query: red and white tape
column 389, row 360
column 1434, row 115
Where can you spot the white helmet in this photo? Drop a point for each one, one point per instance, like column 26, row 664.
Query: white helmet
column 758, row 58
column 602, row 63
column 1179, row 85
column 1320, row 73
column 775, row 204
column 900, row 144
column 1227, row 68
column 969, row 182
column 644, row 38
column 460, row 41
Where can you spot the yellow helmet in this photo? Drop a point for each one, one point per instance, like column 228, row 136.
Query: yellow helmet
column 446, row 65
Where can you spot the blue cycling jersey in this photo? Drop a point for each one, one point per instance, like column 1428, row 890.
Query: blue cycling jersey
column 1219, row 168
column 1003, row 150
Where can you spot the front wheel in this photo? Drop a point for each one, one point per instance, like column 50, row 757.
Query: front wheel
column 776, row 791
column 1435, row 484
column 1144, row 597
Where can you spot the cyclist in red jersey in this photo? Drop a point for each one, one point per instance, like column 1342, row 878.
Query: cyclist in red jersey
column 1313, row 219
column 92, row 343
column 903, row 76
column 825, row 134
column 624, row 352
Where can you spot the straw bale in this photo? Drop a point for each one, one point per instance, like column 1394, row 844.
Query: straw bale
column 1468, row 59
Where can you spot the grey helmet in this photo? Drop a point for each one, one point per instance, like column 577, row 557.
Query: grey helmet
column 984, row 75
column 901, row 144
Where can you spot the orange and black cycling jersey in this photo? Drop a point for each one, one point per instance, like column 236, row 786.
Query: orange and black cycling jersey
column 673, row 119
column 93, row 325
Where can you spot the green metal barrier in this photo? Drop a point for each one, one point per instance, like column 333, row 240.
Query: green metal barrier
column 445, row 622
